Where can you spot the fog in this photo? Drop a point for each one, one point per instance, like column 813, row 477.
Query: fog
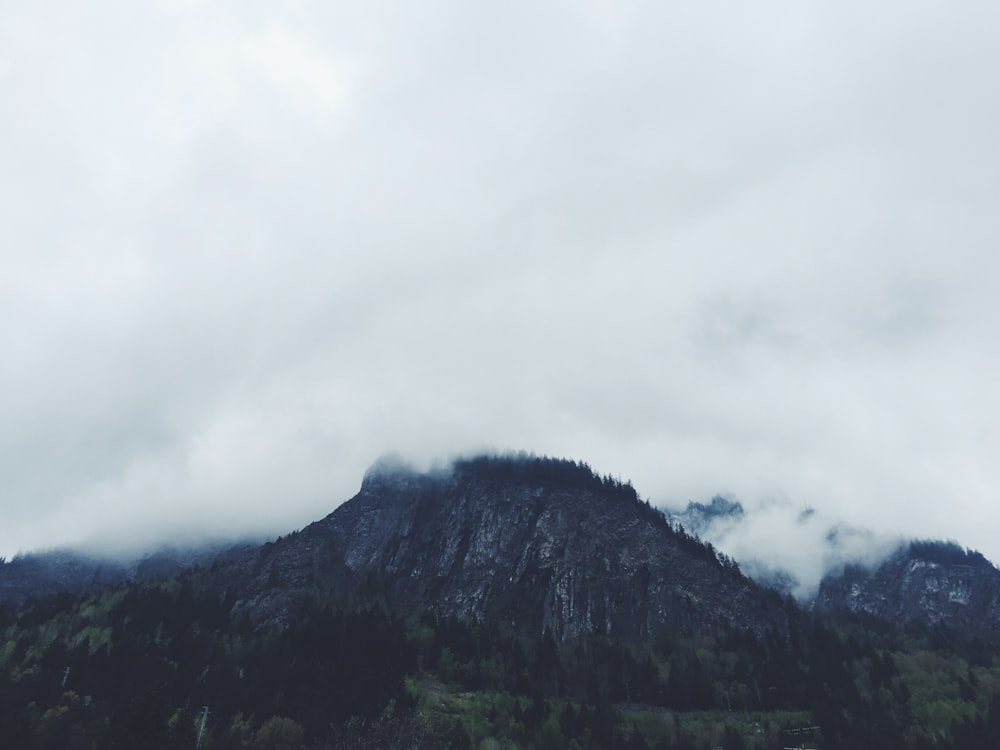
column 786, row 546
column 247, row 248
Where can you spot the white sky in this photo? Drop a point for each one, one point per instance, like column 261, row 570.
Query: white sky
column 247, row 247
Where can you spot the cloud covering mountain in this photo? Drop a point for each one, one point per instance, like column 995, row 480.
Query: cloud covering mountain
column 788, row 547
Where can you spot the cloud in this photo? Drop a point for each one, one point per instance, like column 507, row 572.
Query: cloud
column 784, row 545
column 246, row 249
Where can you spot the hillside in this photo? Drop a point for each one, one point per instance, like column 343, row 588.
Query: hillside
column 503, row 602
column 533, row 544
column 922, row 584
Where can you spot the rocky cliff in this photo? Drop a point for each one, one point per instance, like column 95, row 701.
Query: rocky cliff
column 923, row 583
column 528, row 542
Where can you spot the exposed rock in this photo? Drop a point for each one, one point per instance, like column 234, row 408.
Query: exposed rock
column 529, row 542
column 923, row 583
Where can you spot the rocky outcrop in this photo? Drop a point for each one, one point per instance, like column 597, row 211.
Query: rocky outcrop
column 923, row 583
column 528, row 542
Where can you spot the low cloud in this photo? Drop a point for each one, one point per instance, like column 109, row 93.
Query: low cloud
column 787, row 546
column 245, row 251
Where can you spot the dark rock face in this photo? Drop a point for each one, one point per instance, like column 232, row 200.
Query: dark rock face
column 532, row 543
column 924, row 583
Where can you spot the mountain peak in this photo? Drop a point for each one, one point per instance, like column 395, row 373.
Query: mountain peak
column 923, row 582
column 945, row 553
column 533, row 542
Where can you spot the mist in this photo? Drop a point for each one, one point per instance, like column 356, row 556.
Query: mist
column 783, row 545
column 246, row 249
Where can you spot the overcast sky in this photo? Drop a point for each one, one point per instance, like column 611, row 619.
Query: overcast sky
column 742, row 248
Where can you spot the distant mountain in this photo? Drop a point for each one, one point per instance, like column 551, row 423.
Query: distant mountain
column 69, row 571
column 911, row 583
column 783, row 546
column 55, row 572
column 698, row 518
column 533, row 543
column 923, row 583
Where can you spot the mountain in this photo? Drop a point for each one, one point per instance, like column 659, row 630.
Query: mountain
column 834, row 567
column 698, row 518
column 501, row 602
column 55, row 572
column 69, row 571
column 784, row 546
column 533, row 543
column 922, row 583
column 546, row 543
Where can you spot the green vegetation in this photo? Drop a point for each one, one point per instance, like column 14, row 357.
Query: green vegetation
column 134, row 667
